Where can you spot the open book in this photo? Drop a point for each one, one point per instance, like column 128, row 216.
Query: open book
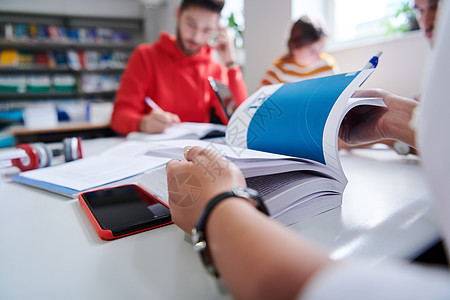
column 294, row 164
column 120, row 164
column 284, row 138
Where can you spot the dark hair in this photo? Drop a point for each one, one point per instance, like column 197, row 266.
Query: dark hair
column 212, row 5
column 305, row 31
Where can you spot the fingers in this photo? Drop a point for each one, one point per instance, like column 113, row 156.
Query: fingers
column 378, row 93
column 157, row 126
column 225, row 45
column 222, row 34
column 175, row 118
column 174, row 167
column 195, row 154
column 187, row 153
column 173, row 164
column 157, row 121
column 169, row 118
column 222, row 29
column 164, row 118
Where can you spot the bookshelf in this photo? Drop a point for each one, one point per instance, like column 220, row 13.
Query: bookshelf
column 60, row 58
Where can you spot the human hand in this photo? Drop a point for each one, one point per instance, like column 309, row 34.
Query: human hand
column 157, row 121
column 364, row 124
column 225, row 46
column 194, row 183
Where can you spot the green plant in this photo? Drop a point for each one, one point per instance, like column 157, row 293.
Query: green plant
column 238, row 32
column 404, row 20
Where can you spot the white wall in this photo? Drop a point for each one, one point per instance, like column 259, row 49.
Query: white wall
column 266, row 31
column 401, row 65
column 159, row 17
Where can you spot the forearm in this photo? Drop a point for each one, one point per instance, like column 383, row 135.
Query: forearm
column 257, row 257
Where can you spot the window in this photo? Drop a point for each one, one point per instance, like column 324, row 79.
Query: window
column 233, row 16
column 350, row 20
column 236, row 7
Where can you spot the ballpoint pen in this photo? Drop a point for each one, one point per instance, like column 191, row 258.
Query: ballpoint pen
column 152, row 104
column 373, row 62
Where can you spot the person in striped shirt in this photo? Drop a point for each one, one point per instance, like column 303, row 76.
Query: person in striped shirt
column 305, row 58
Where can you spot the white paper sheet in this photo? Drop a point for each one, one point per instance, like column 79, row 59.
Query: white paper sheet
column 95, row 171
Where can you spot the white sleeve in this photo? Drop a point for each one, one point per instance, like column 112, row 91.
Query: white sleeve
column 433, row 122
column 393, row 280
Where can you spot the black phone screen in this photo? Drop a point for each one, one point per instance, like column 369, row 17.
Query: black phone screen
column 126, row 209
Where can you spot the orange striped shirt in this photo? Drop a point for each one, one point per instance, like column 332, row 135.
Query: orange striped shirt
column 286, row 70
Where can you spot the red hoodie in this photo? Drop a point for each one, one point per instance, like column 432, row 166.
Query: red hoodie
column 176, row 82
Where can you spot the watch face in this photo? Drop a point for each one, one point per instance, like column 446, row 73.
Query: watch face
column 401, row 148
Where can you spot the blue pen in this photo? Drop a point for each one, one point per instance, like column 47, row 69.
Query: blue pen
column 152, row 104
column 373, row 62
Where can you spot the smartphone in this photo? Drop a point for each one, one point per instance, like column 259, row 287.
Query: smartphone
column 124, row 210
column 224, row 96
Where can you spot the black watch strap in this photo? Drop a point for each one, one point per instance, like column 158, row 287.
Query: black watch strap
column 198, row 232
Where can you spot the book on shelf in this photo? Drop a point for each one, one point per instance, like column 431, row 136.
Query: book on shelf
column 53, row 33
column 9, row 57
column 284, row 138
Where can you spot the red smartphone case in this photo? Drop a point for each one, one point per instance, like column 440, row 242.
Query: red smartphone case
column 107, row 234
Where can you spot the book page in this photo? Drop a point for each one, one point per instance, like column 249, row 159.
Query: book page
column 291, row 118
column 122, row 161
column 155, row 182
column 185, row 130
column 250, row 162
column 94, row 171
column 174, row 149
column 331, row 130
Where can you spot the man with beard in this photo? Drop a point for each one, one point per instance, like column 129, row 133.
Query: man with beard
column 174, row 72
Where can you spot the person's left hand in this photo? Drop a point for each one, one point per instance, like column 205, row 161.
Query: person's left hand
column 194, row 183
column 225, row 46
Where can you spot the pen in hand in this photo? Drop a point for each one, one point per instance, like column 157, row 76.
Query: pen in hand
column 158, row 120
column 152, row 104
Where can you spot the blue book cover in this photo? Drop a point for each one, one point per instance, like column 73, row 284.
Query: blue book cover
column 299, row 119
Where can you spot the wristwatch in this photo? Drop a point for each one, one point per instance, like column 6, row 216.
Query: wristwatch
column 198, row 236
column 401, row 148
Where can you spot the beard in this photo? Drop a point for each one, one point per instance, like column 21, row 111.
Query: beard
column 182, row 46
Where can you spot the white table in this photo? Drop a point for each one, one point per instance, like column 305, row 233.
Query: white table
column 49, row 249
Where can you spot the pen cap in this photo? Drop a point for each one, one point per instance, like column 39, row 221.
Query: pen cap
column 374, row 61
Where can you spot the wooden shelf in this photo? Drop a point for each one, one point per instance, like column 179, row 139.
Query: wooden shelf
column 33, row 69
column 39, row 45
column 85, row 130
column 121, row 36
column 6, row 96
column 42, row 69
column 62, row 127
